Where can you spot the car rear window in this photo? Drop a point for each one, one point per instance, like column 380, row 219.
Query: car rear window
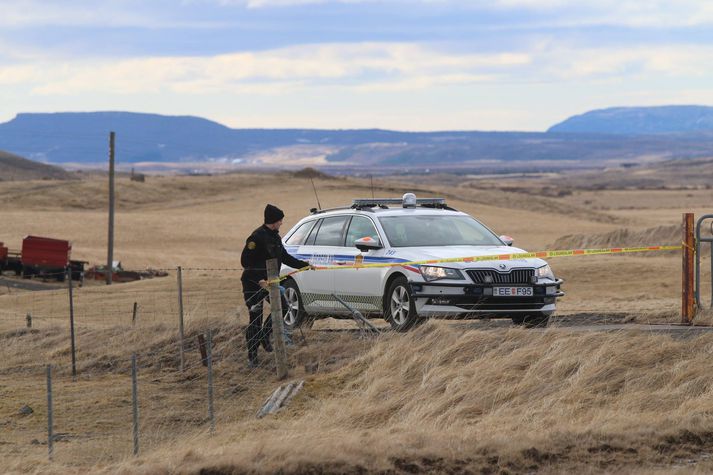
column 300, row 235
column 433, row 230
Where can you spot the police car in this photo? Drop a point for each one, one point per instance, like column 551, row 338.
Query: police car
column 377, row 231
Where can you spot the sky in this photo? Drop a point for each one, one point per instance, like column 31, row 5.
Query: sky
column 393, row 64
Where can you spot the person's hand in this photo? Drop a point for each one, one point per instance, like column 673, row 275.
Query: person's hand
column 311, row 267
column 263, row 283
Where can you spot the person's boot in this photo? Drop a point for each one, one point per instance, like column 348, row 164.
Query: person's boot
column 252, row 360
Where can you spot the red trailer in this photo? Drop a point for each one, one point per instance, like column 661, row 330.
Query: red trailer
column 3, row 256
column 45, row 256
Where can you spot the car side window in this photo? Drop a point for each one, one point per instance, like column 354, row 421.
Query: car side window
column 300, row 236
column 330, row 232
column 361, row 227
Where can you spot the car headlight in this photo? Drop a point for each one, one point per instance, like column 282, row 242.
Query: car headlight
column 436, row 273
column 545, row 272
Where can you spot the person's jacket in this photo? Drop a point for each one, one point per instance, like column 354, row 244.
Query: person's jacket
column 264, row 244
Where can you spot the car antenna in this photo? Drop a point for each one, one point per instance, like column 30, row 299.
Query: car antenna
column 371, row 178
column 319, row 206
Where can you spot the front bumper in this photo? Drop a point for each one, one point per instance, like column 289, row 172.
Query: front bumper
column 450, row 299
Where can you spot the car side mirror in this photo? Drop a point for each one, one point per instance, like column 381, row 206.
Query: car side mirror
column 507, row 240
column 366, row 244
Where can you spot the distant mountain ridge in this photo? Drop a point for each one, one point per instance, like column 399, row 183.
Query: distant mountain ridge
column 640, row 120
column 598, row 136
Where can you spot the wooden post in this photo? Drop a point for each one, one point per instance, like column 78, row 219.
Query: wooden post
column 110, row 244
column 277, row 322
column 209, row 361
column 688, row 308
column 133, row 317
column 202, row 348
column 28, row 320
column 180, row 314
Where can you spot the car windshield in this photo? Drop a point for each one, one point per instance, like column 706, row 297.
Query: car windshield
column 433, row 230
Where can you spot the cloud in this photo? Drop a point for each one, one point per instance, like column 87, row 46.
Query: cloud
column 593, row 63
column 274, row 71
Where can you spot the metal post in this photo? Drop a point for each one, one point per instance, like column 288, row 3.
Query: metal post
column 50, row 437
column 211, row 413
column 28, row 319
column 135, row 402
column 687, row 292
column 71, row 323
column 277, row 322
column 180, row 314
column 700, row 239
column 110, row 245
column 133, row 317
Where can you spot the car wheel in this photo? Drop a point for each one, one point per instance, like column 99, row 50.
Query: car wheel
column 295, row 315
column 399, row 305
column 532, row 321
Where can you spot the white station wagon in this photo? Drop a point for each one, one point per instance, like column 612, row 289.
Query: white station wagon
column 402, row 231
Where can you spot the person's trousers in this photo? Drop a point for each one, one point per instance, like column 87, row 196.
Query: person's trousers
column 258, row 330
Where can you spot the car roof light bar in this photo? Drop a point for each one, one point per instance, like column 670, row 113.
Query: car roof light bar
column 373, row 202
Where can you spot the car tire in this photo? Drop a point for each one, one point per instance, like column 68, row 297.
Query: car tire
column 400, row 306
column 536, row 320
column 295, row 316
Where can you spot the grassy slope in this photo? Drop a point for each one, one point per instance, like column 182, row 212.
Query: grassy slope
column 13, row 167
column 484, row 399
column 439, row 398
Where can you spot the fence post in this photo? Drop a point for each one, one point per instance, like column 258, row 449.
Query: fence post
column 209, row 357
column 135, row 403
column 133, row 316
column 277, row 322
column 180, row 314
column 202, row 349
column 71, row 323
column 50, row 437
column 28, row 319
column 687, row 294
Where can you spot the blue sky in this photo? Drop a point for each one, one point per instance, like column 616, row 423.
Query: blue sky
column 406, row 65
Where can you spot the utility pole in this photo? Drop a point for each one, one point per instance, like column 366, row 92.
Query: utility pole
column 110, row 246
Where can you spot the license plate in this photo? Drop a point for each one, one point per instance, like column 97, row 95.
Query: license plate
column 512, row 291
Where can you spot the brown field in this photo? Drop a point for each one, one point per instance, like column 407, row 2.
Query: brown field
column 454, row 397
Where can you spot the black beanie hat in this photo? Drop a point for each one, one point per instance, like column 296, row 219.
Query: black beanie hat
column 273, row 214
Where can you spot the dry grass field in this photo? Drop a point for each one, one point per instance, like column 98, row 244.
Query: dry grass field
column 450, row 397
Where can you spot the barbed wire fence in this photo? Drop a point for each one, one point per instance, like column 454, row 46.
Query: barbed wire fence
column 89, row 425
column 142, row 320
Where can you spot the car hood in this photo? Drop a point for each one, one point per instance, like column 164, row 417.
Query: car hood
column 449, row 252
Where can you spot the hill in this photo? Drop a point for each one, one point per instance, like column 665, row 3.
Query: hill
column 640, row 120
column 14, row 167
column 194, row 142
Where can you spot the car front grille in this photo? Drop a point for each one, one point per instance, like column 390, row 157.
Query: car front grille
column 515, row 276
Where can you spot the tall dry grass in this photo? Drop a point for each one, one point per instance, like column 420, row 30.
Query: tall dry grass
column 440, row 399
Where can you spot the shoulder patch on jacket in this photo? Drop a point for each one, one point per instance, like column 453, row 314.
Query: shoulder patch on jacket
column 251, row 245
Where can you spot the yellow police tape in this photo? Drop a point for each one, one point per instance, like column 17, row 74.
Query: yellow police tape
column 494, row 257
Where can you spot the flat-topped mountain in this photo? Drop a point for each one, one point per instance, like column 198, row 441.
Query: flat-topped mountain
column 640, row 120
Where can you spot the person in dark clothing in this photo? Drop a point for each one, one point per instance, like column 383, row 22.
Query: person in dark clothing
column 264, row 243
